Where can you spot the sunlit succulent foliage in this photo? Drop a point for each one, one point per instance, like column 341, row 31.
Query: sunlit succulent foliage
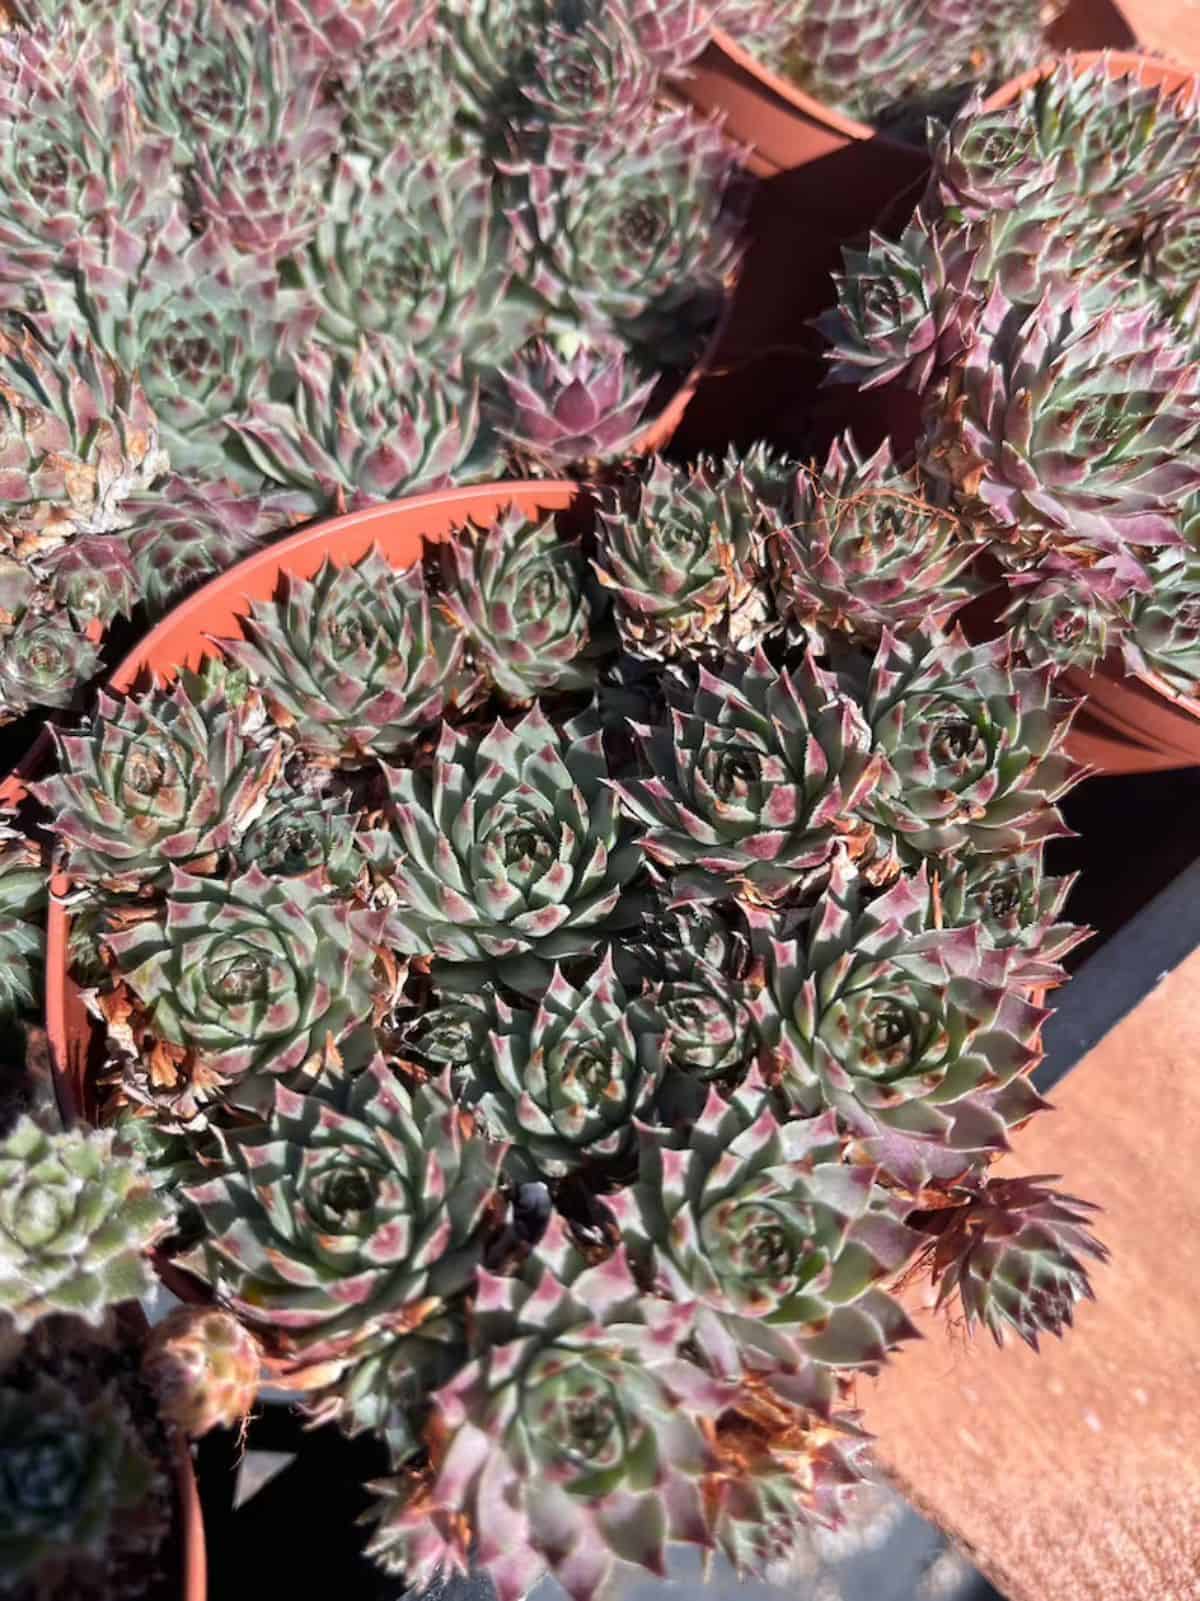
column 75, row 1222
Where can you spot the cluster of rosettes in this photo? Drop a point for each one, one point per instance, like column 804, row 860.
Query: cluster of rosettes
column 1041, row 302
column 350, row 251
column 893, row 61
column 560, row 981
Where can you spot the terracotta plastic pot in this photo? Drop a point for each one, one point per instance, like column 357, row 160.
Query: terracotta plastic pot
column 784, row 127
column 185, row 638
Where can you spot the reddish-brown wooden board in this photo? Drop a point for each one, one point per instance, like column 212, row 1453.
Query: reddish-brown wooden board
column 1074, row 1475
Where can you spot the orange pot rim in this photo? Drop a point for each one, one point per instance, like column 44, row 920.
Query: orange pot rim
column 1117, row 63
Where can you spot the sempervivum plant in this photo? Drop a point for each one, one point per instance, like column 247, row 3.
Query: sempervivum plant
column 364, row 428
column 516, row 590
column 682, row 552
column 565, row 1083
column 973, row 747
column 633, row 232
column 581, row 1416
column 557, row 1017
column 86, row 1502
column 556, row 410
column 166, row 778
column 355, row 661
column 75, row 1220
column 203, row 1366
column 759, row 777
column 78, row 438
column 346, row 1212
column 252, row 974
column 22, row 897
column 76, row 1470
column 912, row 1035
column 862, row 550
column 777, row 1241
column 512, row 846
column 1038, row 303
column 1012, row 1252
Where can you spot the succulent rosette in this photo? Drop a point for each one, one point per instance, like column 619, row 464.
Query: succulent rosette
column 565, row 1082
column 972, row 746
column 516, row 592
column 163, row 779
column 912, row 1035
column 93, row 579
column 861, row 549
column 77, row 164
column 487, row 44
column 356, row 661
column 335, row 30
column 254, row 975
column 184, row 532
column 671, row 33
column 449, row 1033
column 364, row 428
column 1017, row 909
column 755, row 780
column 401, row 94
column 75, row 1222
column 1070, row 431
column 74, row 1469
column 212, row 75
column 905, row 307
column 1171, row 255
column 628, row 236
column 302, row 830
column 681, row 550
column 692, row 966
column 1013, row 1255
column 421, row 254
column 1113, row 145
column 43, row 662
column 1070, row 615
column 204, row 1368
column 989, row 161
column 586, row 81
column 204, row 328
column 350, row 1212
column 558, row 410
column 512, row 845
column 703, row 1010
column 242, row 98
column 575, row 1440
column 779, row 1475
column 781, row 1245
column 78, row 438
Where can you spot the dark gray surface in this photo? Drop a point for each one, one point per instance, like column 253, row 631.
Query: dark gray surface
column 1111, row 983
